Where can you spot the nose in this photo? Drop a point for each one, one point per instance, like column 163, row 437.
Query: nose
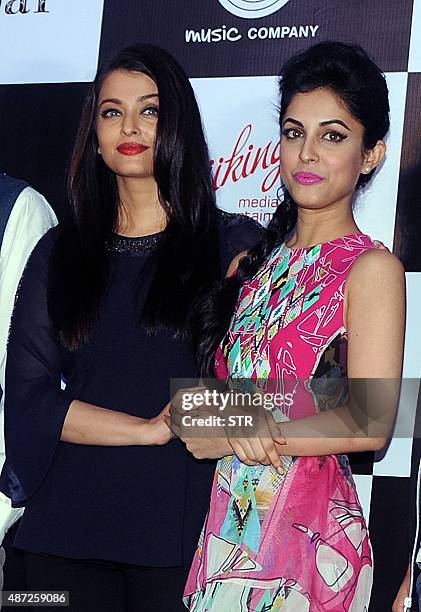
column 308, row 152
column 129, row 125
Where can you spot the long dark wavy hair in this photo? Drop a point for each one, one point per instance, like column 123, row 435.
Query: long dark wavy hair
column 187, row 256
column 354, row 78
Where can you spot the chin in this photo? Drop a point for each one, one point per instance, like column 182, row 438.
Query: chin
column 133, row 172
column 308, row 193
column 312, row 203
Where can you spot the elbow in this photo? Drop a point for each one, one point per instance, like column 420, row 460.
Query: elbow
column 376, row 443
column 361, row 444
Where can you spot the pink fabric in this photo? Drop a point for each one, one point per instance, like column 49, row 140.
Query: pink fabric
column 296, row 541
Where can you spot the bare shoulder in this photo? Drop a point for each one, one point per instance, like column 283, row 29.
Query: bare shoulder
column 376, row 277
column 232, row 268
column 376, row 265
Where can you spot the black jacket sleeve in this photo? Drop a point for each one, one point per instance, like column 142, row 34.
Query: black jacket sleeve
column 35, row 404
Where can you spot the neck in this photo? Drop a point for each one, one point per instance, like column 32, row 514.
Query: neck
column 319, row 226
column 140, row 210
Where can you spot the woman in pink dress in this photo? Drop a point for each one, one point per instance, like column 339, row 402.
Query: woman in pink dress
column 311, row 302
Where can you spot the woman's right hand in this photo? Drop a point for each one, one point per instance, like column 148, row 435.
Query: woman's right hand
column 155, row 431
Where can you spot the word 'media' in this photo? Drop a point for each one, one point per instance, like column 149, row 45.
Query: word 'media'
column 259, row 209
column 23, row 7
column 224, row 33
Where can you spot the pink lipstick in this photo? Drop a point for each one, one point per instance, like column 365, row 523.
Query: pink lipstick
column 131, row 148
column 307, row 178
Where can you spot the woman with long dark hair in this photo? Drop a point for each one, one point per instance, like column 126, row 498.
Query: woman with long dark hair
column 312, row 301
column 113, row 507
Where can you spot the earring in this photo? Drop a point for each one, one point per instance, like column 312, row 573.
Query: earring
column 367, row 170
column 99, row 151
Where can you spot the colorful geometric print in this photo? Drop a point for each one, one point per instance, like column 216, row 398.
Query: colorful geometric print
column 289, row 289
column 298, row 540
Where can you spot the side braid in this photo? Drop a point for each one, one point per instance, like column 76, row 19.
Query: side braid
column 212, row 312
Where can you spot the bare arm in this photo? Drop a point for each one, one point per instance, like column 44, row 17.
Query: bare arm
column 89, row 424
column 375, row 320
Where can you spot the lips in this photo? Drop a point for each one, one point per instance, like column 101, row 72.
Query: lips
column 131, row 148
column 307, row 178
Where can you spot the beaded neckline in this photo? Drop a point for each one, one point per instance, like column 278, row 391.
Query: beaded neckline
column 133, row 245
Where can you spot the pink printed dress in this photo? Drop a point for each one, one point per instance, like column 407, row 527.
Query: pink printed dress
column 297, row 541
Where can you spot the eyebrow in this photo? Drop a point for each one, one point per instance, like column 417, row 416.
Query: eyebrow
column 322, row 123
column 117, row 101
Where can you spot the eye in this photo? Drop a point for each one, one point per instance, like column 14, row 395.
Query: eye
column 151, row 111
column 110, row 112
column 292, row 133
column 334, row 136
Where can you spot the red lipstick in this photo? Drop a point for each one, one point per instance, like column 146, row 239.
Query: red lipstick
column 131, row 148
column 307, row 178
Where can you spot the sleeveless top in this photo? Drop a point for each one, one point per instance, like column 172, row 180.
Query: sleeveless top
column 296, row 540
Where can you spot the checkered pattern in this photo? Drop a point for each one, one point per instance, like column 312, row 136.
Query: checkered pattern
column 233, row 73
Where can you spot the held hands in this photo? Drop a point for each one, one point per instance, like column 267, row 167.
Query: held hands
column 186, row 425
column 259, row 445
column 211, row 433
column 155, row 431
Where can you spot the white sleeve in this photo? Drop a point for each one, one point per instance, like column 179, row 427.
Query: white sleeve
column 30, row 218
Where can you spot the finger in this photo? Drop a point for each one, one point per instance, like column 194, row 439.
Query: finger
column 270, row 439
column 259, row 451
column 238, row 449
column 174, row 427
column 166, row 409
column 247, row 448
column 176, row 405
column 176, row 418
column 167, row 420
column 271, row 453
column 237, row 439
column 274, row 429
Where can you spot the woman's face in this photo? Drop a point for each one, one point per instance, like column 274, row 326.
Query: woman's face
column 322, row 154
column 126, row 121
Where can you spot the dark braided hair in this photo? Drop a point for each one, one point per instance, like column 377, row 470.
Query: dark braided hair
column 351, row 74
